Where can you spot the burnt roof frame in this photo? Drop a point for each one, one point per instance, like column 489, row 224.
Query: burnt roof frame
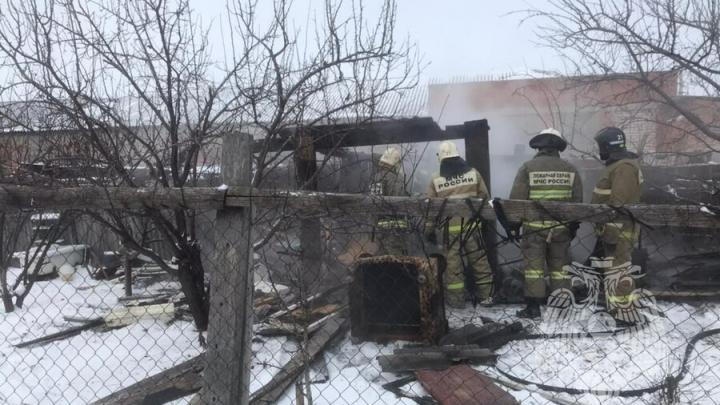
column 371, row 133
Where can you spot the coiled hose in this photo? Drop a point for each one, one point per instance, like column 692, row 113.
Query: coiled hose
column 670, row 381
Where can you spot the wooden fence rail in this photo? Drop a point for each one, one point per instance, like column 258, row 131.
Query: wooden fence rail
column 308, row 204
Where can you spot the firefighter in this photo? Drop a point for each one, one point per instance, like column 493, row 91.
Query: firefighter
column 390, row 231
column 545, row 244
column 619, row 184
column 467, row 267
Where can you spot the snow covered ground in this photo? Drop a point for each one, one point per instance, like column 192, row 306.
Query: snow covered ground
column 93, row 364
column 90, row 365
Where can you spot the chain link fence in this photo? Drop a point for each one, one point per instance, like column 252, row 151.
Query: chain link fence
column 92, row 307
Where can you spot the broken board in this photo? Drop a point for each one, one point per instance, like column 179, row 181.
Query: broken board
column 434, row 358
column 461, row 385
column 123, row 316
column 491, row 336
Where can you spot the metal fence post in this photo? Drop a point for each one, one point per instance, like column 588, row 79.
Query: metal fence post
column 227, row 375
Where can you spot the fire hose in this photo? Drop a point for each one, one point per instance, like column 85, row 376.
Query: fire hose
column 670, row 381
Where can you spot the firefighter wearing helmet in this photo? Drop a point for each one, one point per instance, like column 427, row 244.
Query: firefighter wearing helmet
column 467, row 266
column 391, row 231
column 619, row 184
column 545, row 244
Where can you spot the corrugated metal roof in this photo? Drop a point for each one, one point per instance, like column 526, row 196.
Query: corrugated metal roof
column 329, row 106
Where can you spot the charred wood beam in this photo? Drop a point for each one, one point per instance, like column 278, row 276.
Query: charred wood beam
column 69, row 332
column 187, row 377
column 491, row 336
column 309, row 204
column 171, row 384
column 324, row 204
column 434, row 358
column 92, row 197
column 687, row 295
column 271, row 392
column 327, row 137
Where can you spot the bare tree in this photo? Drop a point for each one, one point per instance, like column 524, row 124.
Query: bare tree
column 668, row 48
column 11, row 226
column 137, row 86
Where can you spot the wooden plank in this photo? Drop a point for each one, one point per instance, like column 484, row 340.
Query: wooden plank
column 227, row 377
column 271, row 392
column 91, row 197
column 273, row 327
column 123, row 316
column 171, row 384
column 308, row 300
column 461, row 385
column 128, row 272
column 310, row 229
column 396, row 131
column 430, row 358
column 324, row 204
column 438, row 349
column 80, row 319
column 75, row 330
column 491, row 336
column 686, row 295
column 144, row 297
column 409, row 362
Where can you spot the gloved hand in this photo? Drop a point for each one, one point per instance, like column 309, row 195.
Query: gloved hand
column 429, row 234
column 573, row 228
column 513, row 231
column 431, row 237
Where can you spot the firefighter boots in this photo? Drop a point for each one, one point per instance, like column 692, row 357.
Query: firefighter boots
column 532, row 310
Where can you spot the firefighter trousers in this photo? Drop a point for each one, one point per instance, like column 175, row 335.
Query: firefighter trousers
column 392, row 243
column 545, row 252
column 618, row 241
column 454, row 278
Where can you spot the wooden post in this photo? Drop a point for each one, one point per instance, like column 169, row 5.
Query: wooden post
column 310, row 230
column 128, row 272
column 477, row 152
column 227, row 374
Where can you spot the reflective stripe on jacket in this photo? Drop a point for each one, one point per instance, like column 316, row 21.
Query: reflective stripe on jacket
column 389, row 182
column 467, row 185
column 619, row 184
column 547, row 177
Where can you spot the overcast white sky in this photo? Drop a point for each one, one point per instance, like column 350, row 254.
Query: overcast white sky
column 456, row 37
column 466, row 37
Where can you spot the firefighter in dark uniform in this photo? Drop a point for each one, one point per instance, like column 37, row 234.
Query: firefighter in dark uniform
column 619, row 184
column 466, row 257
column 390, row 231
column 545, row 244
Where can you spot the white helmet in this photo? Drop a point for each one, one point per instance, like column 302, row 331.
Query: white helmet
column 391, row 157
column 447, row 150
column 550, row 131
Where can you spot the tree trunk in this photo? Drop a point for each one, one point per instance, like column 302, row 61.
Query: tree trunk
column 6, row 297
column 191, row 275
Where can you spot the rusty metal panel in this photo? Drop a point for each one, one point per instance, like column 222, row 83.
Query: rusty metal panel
column 397, row 297
column 461, row 385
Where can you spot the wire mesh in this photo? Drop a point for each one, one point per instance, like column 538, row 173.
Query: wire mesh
column 327, row 329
